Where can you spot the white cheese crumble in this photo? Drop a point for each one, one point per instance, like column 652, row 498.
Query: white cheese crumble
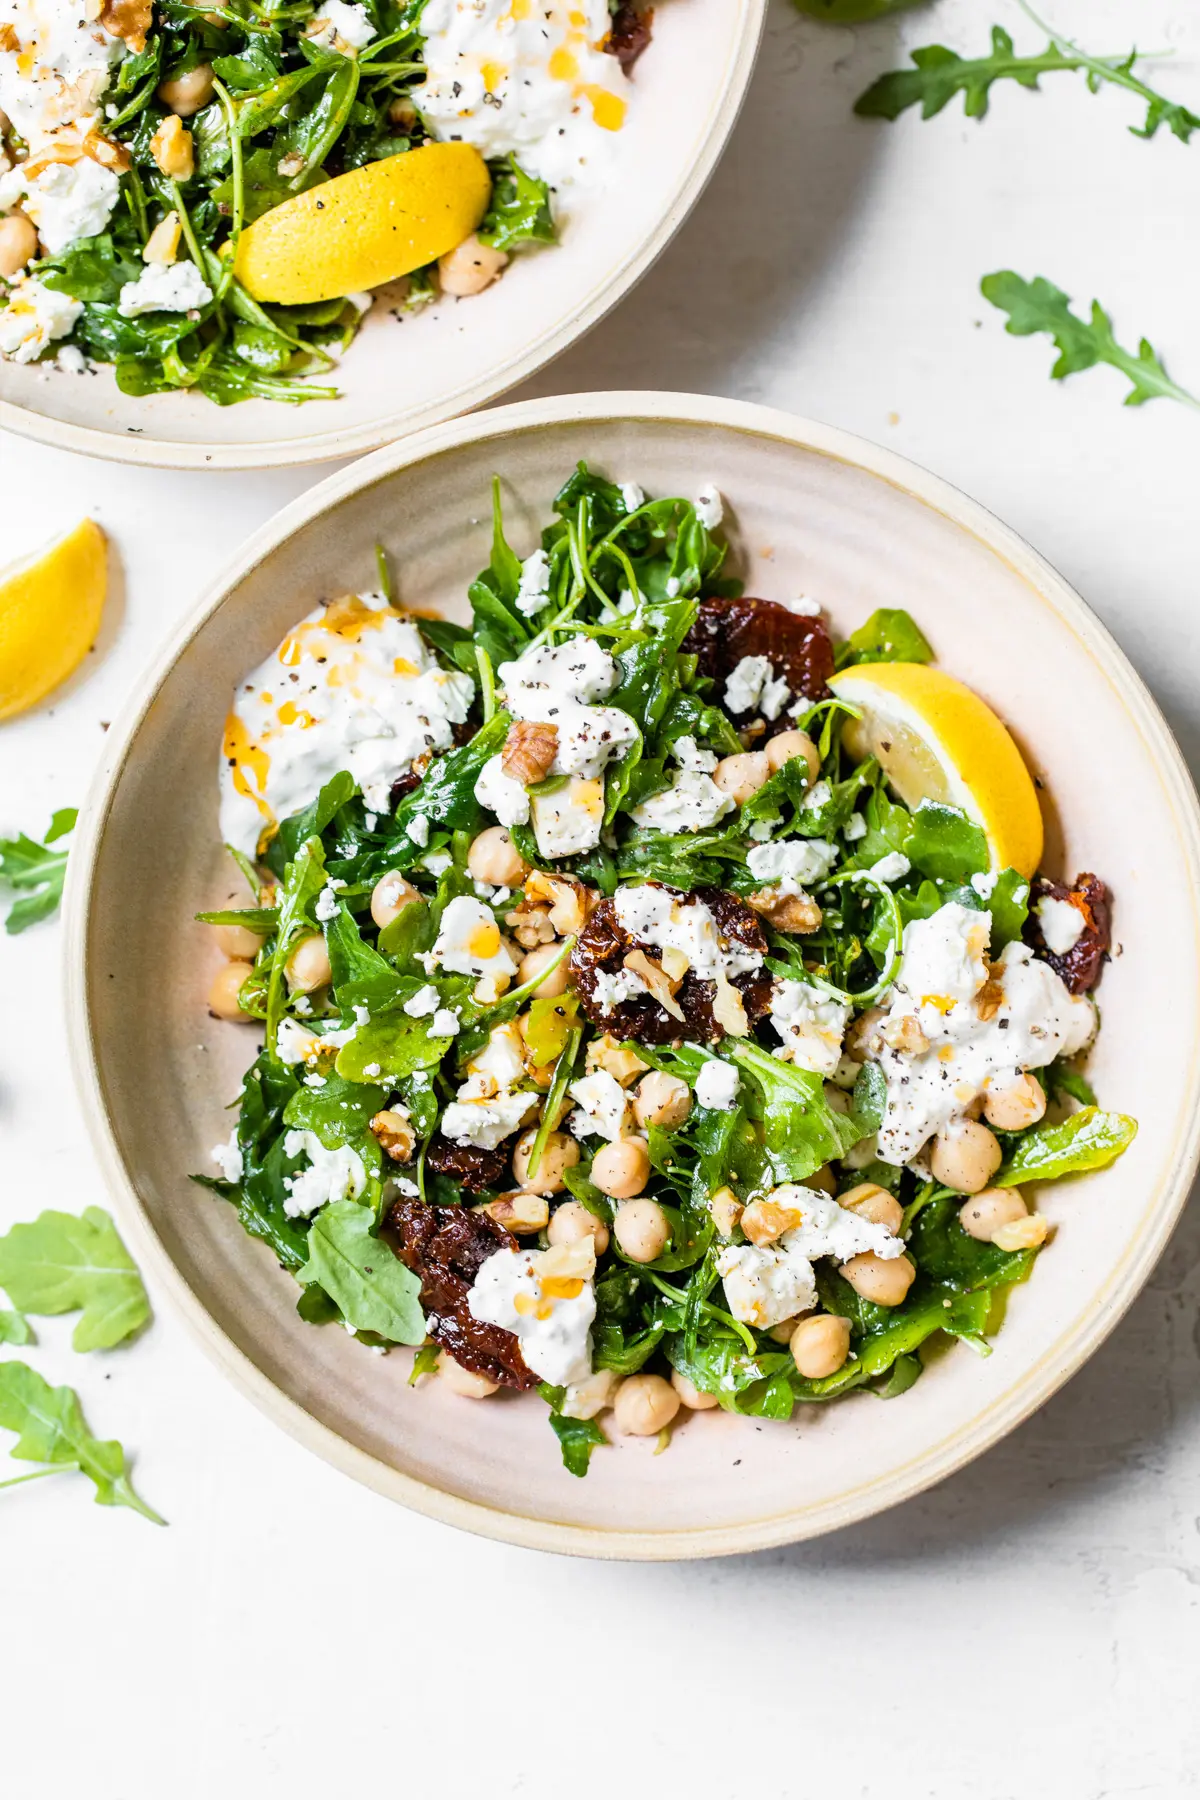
column 418, row 830
column 764, row 1285
column 689, row 755
column 34, row 317
column 1031, row 1019
column 632, row 496
column 602, row 1106
column 569, row 820
column 64, row 200
column 610, row 990
column 534, row 587
column 854, row 828
column 1062, row 924
column 710, row 508
column 717, row 1085
column 811, row 1026
column 892, row 867
column 754, row 687
column 331, row 1175
column 550, row 1314
column 668, row 921
column 295, row 1043
column 444, row 1023
column 693, row 802
column 501, row 794
column 164, row 287
column 56, row 74
column 423, row 1004
column 486, row 1123
column 792, row 862
column 469, row 942
column 341, row 26
column 228, row 1157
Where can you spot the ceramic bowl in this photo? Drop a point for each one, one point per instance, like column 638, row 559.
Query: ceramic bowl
column 813, row 511
column 410, row 370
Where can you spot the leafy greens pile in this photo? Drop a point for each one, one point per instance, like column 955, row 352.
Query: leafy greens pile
column 286, row 115
column 630, row 576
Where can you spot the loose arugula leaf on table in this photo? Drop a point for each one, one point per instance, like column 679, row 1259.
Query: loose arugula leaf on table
column 58, row 1263
column 1089, row 1139
column 1038, row 306
column 939, row 74
column 851, row 12
column 14, row 1328
column 51, row 1429
column 371, row 1286
column 35, row 872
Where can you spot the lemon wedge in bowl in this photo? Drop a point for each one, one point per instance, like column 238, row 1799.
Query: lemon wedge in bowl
column 50, row 607
column 366, row 227
column 937, row 740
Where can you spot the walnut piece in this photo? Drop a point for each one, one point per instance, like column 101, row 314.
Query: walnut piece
column 567, row 902
column 529, row 751
column 798, row 913
column 128, row 20
column 394, row 1135
column 657, row 981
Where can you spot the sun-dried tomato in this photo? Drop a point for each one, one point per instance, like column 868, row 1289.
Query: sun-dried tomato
column 604, row 944
column 629, row 33
column 447, row 1246
column 797, row 645
column 472, row 1167
column 1080, row 966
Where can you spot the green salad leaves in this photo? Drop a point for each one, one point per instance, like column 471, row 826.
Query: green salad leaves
column 51, row 1429
column 35, row 873
column 60, row 1263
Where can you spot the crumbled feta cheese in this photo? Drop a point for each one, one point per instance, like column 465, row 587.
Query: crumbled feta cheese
column 754, row 687
column 558, row 684
column 764, row 1285
column 517, row 1290
column 423, row 1003
column 65, row 200
column 469, row 942
column 326, row 907
column 164, row 287
column 717, row 1085
column 892, row 867
column 689, row 755
column 54, row 76
column 602, row 1106
column 501, row 794
column 609, row 991
column 569, row 820
column 854, row 828
column 418, row 830
column 486, row 1123
column 792, row 862
column 34, row 317
column 632, row 496
column 693, row 802
column 533, row 590
column 228, row 1157
column 668, row 921
column 710, row 508
column 341, row 26
column 71, row 360
column 671, row 586
column 331, row 1175
column 444, row 1023
column 817, row 797
column 1062, row 924
column 811, row 1025
column 802, row 606
column 295, row 1043
column 437, row 862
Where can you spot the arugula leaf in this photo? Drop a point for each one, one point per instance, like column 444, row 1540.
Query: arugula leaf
column 1038, row 306
column 372, row 1287
column 519, row 210
column 889, row 635
column 1089, row 1139
column 58, row 1263
column 577, row 1438
column 945, row 844
column 948, row 1254
column 26, row 865
column 312, row 821
column 939, row 74
column 14, row 1329
column 51, row 1429
column 302, row 882
column 851, row 12
column 391, row 1047
column 446, row 795
column 259, row 1196
column 801, row 1131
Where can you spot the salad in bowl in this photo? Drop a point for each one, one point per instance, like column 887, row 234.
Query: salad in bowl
column 207, row 198
column 663, row 1004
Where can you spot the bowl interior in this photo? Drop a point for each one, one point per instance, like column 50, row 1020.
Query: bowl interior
column 806, row 519
column 409, row 369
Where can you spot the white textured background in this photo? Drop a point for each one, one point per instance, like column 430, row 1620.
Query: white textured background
column 1030, row 1628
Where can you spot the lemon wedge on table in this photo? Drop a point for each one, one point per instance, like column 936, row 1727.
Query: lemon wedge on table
column 50, row 607
column 937, row 740
column 366, row 227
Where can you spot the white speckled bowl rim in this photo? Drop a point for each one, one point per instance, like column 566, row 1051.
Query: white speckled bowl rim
column 715, row 41
column 1176, row 1161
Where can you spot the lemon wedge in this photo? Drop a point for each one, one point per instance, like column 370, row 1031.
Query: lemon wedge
column 365, row 227
column 936, row 740
column 50, row 607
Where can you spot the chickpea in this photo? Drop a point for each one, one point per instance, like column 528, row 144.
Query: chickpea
column 532, row 965
column 693, row 1397
column 644, row 1405
column 662, row 1100
column 640, row 1227
column 468, row 269
column 586, row 1398
column 223, row 994
column 308, row 968
column 874, row 1203
column 18, row 242
column 172, row 149
column 820, row 1345
column 882, row 1281
column 464, row 1381
column 493, row 857
column 187, row 93
column 389, row 897
column 741, row 776
column 238, row 941
column 572, row 1221
column 985, row 1212
column 559, row 1154
column 788, row 744
column 1014, row 1107
column 622, row 1170
column 965, row 1157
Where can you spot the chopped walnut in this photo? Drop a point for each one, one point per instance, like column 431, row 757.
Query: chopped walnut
column 619, row 1060
column 989, row 999
column 530, row 925
column 128, row 20
column 726, row 1210
column 905, row 1034
column 8, row 37
column 529, row 751
column 863, row 1040
column 729, row 1009
column 109, row 154
column 519, row 1211
column 786, row 912
column 657, row 981
column 568, row 902
column 394, row 1135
